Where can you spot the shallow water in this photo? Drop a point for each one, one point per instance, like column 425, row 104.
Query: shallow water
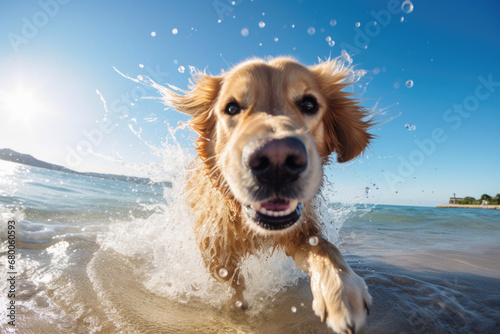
column 101, row 256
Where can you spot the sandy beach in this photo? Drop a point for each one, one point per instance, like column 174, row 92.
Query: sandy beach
column 465, row 206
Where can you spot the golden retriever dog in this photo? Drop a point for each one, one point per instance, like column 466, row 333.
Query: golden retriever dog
column 266, row 129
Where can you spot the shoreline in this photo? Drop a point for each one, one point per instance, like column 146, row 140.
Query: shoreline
column 469, row 206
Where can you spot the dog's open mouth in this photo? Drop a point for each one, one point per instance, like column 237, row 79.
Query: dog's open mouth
column 275, row 214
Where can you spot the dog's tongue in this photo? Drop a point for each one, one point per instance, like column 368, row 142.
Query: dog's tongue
column 278, row 204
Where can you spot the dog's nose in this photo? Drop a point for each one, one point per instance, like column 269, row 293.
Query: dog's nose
column 278, row 160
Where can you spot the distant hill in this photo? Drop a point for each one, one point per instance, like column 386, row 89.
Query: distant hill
column 26, row 159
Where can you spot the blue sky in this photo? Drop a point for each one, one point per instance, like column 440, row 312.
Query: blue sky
column 438, row 137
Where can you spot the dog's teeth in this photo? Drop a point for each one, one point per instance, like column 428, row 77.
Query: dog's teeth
column 258, row 207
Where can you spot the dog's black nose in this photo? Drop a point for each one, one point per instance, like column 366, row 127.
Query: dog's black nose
column 278, row 161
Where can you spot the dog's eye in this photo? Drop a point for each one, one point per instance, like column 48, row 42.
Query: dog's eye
column 308, row 105
column 232, row 108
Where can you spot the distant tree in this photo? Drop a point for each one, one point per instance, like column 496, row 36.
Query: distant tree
column 469, row 198
column 485, row 197
column 497, row 196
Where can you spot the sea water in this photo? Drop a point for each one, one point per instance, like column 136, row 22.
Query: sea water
column 104, row 256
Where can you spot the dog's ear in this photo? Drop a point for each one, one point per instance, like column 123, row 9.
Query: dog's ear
column 345, row 130
column 200, row 99
column 198, row 103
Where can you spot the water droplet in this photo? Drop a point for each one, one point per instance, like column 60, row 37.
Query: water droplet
column 407, row 7
column 238, row 304
column 176, row 61
column 223, row 273
column 409, row 83
column 181, row 69
column 396, row 85
column 331, row 43
column 263, row 13
column 333, row 22
column 357, row 24
column 410, row 127
column 153, row 33
column 302, row 304
column 313, row 241
column 402, row 19
column 139, row 77
column 376, row 70
column 141, row 65
column 262, row 24
column 244, row 32
column 294, row 309
column 293, row 26
column 328, row 38
column 276, row 39
column 311, row 30
column 175, row 31
column 219, row 21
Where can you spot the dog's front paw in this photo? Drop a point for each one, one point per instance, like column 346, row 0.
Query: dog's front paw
column 341, row 298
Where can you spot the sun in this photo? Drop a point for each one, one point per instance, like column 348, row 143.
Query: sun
column 21, row 107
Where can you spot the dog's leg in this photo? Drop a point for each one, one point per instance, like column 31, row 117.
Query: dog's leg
column 341, row 297
column 229, row 272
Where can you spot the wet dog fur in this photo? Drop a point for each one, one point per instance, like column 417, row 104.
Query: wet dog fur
column 266, row 130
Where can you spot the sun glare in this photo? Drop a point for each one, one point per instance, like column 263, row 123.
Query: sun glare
column 21, row 106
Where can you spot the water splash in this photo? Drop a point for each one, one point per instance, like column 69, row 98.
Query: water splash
column 410, row 127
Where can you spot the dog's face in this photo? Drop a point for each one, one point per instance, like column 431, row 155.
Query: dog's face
column 267, row 128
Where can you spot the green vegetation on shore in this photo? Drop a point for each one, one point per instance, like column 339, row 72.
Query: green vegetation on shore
column 485, row 197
